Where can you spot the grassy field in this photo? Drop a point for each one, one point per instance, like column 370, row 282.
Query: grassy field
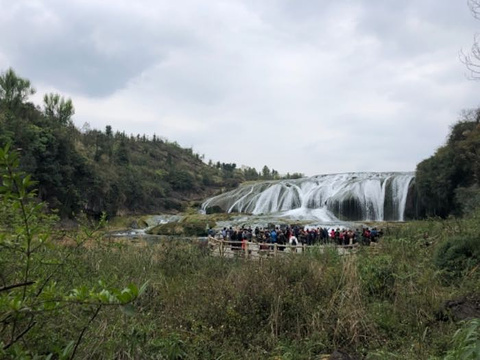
column 383, row 302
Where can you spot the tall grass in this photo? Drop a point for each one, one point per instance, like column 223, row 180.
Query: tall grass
column 381, row 302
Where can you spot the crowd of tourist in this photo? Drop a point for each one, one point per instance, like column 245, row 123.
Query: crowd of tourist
column 298, row 235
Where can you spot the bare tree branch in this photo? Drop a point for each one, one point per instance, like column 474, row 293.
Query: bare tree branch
column 79, row 340
column 9, row 287
column 471, row 59
column 474, row 6
column 19, row 336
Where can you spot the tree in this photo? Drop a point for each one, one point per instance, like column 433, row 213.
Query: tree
column 447, row 181
column 109, row 141
column 181, row 179
column 14, row 90
column 275, row 175
column 122, row 153
column 266, row 173
column 250, row 173
column 33, row 291
column 56, row 107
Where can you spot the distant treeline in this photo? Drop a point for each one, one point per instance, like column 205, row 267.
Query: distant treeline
column 448, row 182
column 108, row 171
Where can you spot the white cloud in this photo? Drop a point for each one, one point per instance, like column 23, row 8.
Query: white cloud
column 309, row 87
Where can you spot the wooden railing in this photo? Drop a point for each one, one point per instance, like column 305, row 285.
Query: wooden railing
column 249, row 249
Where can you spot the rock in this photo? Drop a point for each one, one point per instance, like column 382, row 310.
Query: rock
column 192, row 225
column 134, row 225
column 342, row 355
column 214, row 210
column 142, row 223
column 464, row 308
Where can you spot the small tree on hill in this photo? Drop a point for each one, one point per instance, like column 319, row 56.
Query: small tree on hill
column 14, row 90
column 56, row 107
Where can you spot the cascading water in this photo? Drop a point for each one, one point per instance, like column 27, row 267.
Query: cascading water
column 350, row 196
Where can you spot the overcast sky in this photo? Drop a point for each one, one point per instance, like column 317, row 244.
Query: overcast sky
column 316, row 87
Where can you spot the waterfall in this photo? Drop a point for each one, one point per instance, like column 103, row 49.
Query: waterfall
column 349, row 196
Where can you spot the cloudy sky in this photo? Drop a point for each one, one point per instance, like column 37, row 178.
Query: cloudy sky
column 315, row 87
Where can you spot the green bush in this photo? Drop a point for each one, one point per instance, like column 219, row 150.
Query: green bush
column 377, row 275
column 38, row 294
column 469, row 198
column 458, row 255
column 466, row 342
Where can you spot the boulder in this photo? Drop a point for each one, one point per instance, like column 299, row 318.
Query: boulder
column 464, row 308
column 192, row 225
column 342, row 355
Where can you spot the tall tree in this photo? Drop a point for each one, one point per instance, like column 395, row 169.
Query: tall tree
column 56, row 107
column 266, row 175
column 14, row 90
column 447, row 180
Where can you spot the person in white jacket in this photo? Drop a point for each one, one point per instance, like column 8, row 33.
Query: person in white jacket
column 293, row 241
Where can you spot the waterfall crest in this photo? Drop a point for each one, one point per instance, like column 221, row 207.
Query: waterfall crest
column 350, row 196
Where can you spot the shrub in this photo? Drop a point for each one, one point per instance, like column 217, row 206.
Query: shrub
column 469, row 198
column 37, row 299
column 458, row 255
column 377, row 275
column 466, row 342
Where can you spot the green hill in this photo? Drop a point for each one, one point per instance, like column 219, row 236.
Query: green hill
column 448, row 183
column 98, row 171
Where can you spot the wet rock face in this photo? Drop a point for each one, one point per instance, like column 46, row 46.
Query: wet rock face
column 413, row 209
column 348, row 209
column 214, row 210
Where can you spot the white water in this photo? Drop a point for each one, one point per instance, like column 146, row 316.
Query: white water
column 324, row 197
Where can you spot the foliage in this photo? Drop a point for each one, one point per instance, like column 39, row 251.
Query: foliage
column 14, row 90
column 458, row 255
column 469, row 198
column 95, row 171
column 56, row 107
column 380, row 302
column 378, row 275
column 181, row 179
column 34, row 296
column 104, row 171
column 466, row 342
column 443, row 179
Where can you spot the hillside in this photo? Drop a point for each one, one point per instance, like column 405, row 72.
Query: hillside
column 97, row 171
column 448, row 183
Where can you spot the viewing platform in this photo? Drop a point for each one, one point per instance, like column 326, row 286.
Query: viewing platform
column 255, row 250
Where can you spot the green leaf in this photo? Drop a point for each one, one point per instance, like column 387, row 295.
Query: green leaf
column 143, row 288
column 67, row 351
